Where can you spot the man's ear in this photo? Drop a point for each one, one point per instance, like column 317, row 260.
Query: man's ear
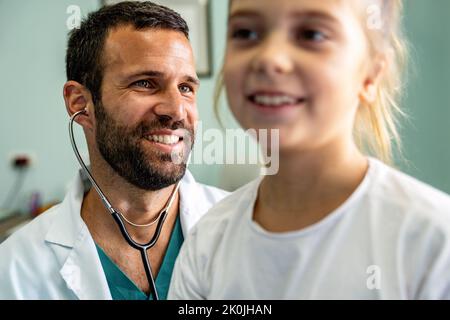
column 372, row 80
column 77, row 97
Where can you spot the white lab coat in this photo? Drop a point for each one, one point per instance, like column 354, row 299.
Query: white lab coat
column 54, row 256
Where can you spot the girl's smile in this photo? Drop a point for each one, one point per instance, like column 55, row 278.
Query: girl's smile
column 275, row 105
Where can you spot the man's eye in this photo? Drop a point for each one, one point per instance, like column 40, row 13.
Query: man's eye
column 244, row 34
column 143, row 84
column 186, row 89
column 312, row 35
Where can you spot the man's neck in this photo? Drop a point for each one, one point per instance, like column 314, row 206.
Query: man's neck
column 107, row 235
column 137, row 205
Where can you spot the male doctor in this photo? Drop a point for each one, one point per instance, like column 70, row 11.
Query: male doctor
column 130, row 66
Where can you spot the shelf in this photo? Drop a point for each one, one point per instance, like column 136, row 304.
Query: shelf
column 10, row 224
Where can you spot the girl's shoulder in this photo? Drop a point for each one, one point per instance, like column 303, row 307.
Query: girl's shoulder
column 231, row 210
column 394, row 191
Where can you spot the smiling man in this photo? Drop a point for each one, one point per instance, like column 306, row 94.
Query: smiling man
column 130, row 67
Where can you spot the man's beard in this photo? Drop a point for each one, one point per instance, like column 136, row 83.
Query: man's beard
column 122, row 148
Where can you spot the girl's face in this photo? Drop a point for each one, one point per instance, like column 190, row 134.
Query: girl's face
column 299, row 66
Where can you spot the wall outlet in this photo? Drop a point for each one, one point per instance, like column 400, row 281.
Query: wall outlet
column 22, row 160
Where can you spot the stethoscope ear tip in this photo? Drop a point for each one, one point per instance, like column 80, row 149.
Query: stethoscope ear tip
column 76, row 114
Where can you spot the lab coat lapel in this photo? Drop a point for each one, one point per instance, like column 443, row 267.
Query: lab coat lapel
column 75, row 249
column 83, row 273
column 192, row 204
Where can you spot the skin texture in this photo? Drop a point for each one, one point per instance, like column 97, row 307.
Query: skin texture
column 318, row 53
column 149, row 84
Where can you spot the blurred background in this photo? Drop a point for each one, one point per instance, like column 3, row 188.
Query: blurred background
column 33, row 119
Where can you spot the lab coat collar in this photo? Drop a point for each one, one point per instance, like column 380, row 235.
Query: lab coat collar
column 192, row 204
column 68, row 224
column 75, row 249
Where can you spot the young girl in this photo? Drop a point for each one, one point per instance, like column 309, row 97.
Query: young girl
column 333, row 223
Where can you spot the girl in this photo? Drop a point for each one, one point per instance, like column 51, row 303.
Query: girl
column 333, row 223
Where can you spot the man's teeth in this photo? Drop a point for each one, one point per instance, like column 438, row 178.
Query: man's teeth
column 164, row 139
column 274, row 100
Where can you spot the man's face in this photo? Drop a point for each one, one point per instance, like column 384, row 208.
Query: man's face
column 148, row 112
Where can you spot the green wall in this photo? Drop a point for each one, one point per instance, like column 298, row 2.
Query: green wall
column 426, row 135
column 33, row 117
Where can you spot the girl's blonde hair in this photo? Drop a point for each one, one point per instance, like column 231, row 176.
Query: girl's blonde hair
column 376, row 124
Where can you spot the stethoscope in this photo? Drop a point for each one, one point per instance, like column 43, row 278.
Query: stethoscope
column 119, row 218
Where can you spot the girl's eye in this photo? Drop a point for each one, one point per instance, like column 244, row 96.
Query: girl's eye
column 244, row 34
column 312, row 35
column 143, row 84
column 186, row 89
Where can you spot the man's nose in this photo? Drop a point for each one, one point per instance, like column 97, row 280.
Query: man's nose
column 274, row 56
column 171, row 106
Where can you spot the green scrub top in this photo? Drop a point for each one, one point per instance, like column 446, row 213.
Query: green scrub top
column 123, row 288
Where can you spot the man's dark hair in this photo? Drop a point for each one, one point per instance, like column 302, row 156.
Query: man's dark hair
column 85, row 48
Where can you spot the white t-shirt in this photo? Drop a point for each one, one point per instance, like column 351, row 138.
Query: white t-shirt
column 389, row 240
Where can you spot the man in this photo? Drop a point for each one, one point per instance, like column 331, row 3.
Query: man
column 130, row 66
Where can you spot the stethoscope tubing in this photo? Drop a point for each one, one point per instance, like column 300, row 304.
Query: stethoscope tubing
column 117, row 217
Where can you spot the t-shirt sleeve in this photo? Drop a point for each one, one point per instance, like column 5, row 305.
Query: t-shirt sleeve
column 426, row 256
column 435, row 284
column 186, row 278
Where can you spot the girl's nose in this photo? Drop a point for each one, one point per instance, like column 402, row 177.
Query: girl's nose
column 273, row 57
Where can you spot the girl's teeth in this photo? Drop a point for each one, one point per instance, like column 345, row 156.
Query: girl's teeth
column 274, row 100
column 164, row 139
